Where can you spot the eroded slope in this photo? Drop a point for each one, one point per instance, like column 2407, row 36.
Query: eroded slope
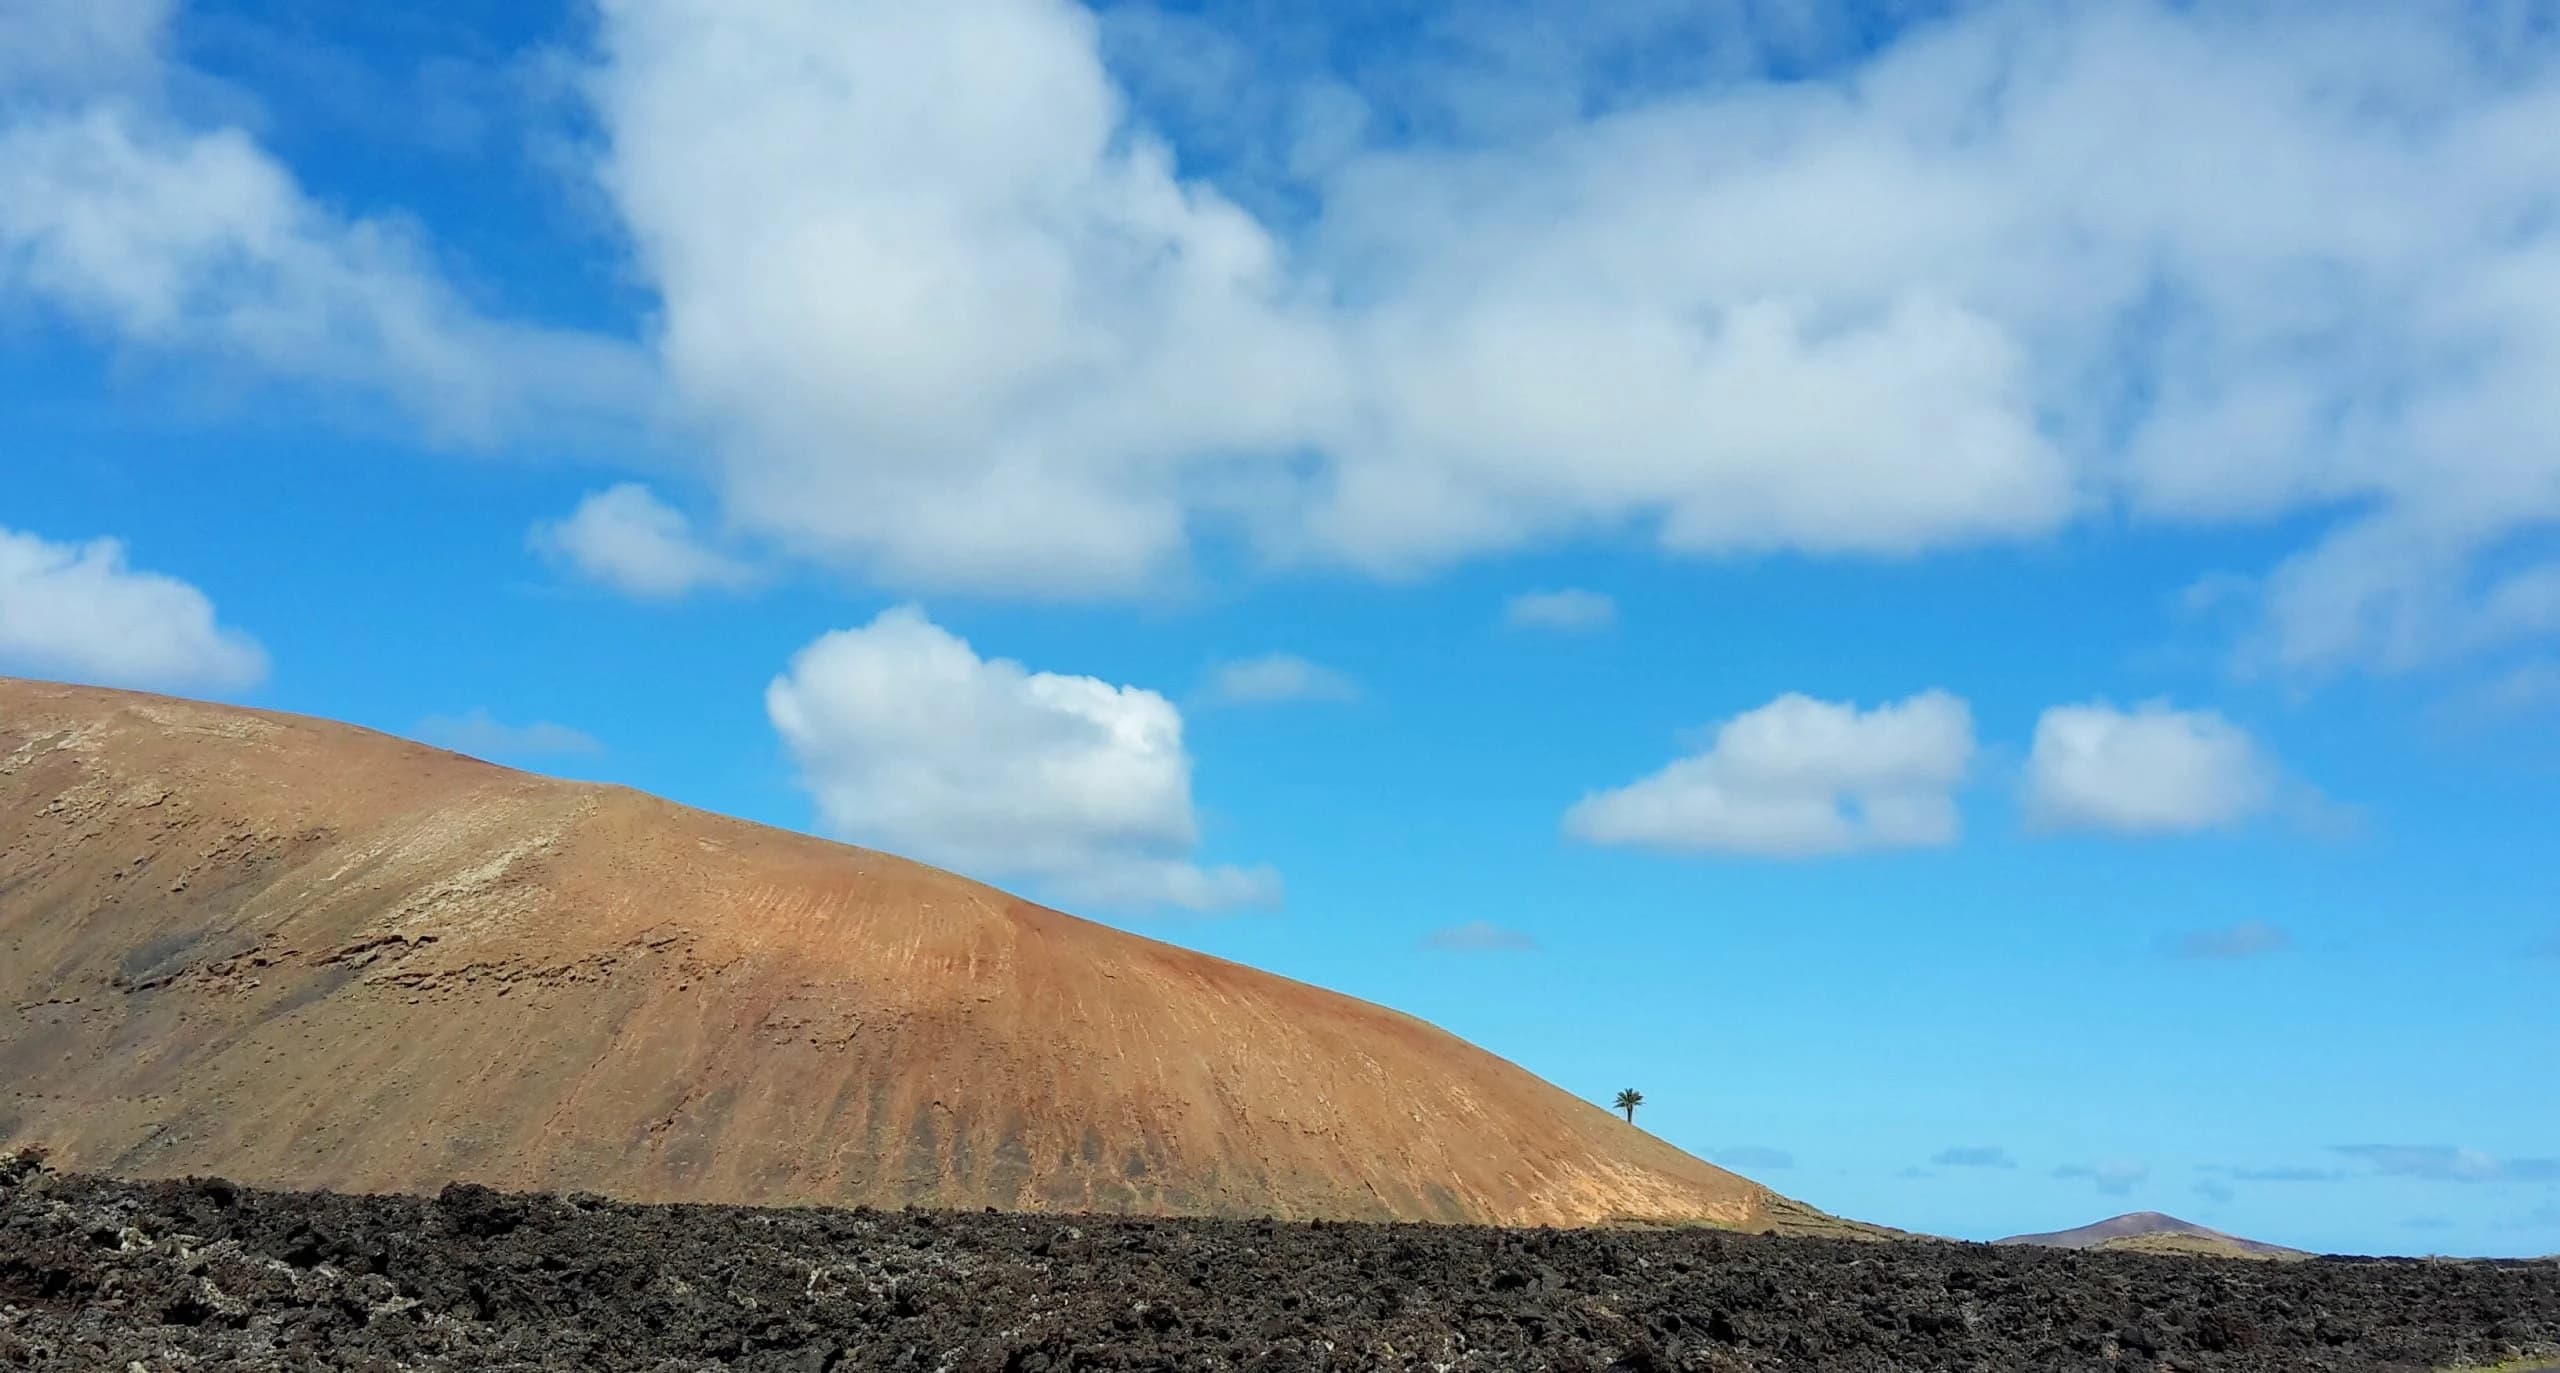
column 299, row 953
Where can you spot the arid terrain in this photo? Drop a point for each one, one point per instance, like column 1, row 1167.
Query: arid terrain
column 302, row 954
column 2150, row 1232
column 205, row 1276
column 370, row 981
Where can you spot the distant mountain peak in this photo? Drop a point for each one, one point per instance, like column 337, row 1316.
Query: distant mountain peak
column 2153, row 1231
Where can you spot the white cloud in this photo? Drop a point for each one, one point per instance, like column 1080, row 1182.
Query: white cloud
column 1276, row 679
column 950, row 312
column 960, row 322
column 1799, row 777
column 175, row 241
column 2210, row 265
column 78, row 611
column 954, row 321
column 912, row 742
column 2151, row 770
column 628, row 539
column 482, row 735
column 1569, row 611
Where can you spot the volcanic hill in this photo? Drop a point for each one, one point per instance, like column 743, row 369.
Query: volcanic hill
column 303, row 954
column 2151, row 1232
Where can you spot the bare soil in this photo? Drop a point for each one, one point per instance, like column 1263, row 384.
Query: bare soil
column 255, row 945
column 203, row 1275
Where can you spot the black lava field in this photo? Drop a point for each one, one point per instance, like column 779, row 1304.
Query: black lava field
column 202, row 1275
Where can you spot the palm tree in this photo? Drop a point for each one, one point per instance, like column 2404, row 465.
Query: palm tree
column 1628, row 1101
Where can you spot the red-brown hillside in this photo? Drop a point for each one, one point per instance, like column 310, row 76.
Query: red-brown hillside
column 295, row 952
column 2152, row 1232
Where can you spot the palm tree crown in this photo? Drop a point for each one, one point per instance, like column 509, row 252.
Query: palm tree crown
column 1628, row 1101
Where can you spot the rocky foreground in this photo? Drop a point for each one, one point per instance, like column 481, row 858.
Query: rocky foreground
column 200, row 1274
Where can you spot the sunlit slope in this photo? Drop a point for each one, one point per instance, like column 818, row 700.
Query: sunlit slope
column 300, row 953
column 2150, row 1232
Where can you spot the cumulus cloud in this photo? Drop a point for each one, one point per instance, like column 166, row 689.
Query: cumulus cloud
column 910, row 741
column 2446, row 1163
column 482, row 735
column 174, row 240
column 79, row 610
column 2248, row 939
column 1974, row 1156
column 1798, row 777
column 2114, row 1178
column 956, row 315
column 626, row 538
column 1478, row 936
column 1569, row 611
column 959, row 320
column 1277, row 679
column 955, row 319
column 2151, row 770
column 950, row 310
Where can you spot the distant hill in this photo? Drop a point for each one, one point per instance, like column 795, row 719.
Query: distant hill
column 301, row 954
column 2150, row 1232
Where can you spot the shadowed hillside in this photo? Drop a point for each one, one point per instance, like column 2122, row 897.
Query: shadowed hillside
column 299, row 953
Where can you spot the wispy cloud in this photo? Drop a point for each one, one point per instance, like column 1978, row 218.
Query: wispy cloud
column 1567, row 611
column 1278, row 679
column 184, row 239
column 2524, row 690
column 1478, row 936
column 1974, row 1156
column 2113, row 1178
column 2248, row 939
column 2287, row 1173
column 482, row 735
column 2446, row 1163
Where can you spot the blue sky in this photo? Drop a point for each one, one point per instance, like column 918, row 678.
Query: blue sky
column 1963, row 594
